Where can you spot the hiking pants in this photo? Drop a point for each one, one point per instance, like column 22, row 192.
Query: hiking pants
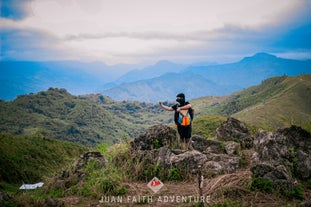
column 184, row 133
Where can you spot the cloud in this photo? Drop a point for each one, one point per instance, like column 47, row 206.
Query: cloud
column 21, row 44
column 14, row 9
column 138, row 30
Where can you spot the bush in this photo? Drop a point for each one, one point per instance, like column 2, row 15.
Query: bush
column 295, row 193
column 261, row 184
column 174, row 174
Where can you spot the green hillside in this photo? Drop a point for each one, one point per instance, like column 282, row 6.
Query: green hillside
column 275, row 103
column 89, row 119
column 29, row 159
column 284, row 102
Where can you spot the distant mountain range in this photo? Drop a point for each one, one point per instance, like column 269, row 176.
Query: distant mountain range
column 161, row 81
column 214, row 80
column 24, row 77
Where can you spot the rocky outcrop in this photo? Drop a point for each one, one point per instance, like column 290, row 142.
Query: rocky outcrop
column 98, row 159
column 283, row 156
column 213, row 156
column 234, row 130
column 69, row 177
column 207, row 146
column 156, row 136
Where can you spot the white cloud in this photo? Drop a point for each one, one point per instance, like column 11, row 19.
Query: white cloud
column 133, row 31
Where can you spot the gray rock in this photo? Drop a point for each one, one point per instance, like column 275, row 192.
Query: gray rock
column 283, row 156
column 190, row 160
column 214, row 156
column 206, row 146
column 234, row 130
column 95, row 157
column 232, row 148
column 155, row 137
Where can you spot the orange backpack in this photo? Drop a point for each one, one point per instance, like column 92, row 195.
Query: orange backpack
column 185, row 119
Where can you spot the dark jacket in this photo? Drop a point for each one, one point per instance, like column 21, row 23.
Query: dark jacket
column 176, row 114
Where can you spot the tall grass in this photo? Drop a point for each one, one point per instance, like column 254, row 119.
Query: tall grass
column 29, row 159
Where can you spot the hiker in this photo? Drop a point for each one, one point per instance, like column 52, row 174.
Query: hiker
column 183, row 116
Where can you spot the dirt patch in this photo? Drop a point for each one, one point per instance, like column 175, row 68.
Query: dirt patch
column 230, row 189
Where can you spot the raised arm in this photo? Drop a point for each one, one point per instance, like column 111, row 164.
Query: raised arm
column 167, row 108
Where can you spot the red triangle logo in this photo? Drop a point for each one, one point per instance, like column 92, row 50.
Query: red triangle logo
column 155, row 182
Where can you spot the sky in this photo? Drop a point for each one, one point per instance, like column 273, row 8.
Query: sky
column 146, row 31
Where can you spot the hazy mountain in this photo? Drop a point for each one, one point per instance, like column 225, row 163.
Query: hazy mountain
column 166, row 87
column 160, row 81
column 24, row 77
column 212, row 80
column 252, row 70
column 158, row 69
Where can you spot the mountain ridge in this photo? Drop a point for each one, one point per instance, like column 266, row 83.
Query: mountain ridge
column 275, row 103
column 159, row 68
column 226, row 78
column 20, row 78
column 24, row 77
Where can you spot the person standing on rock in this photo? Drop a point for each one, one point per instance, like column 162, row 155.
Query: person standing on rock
column 183, row 117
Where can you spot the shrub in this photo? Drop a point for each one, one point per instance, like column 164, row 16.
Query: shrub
column 156, row 144
column 264, row 185
column 295, row 193
column 174, row 174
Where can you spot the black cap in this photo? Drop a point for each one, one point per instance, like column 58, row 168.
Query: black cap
column 181, row 95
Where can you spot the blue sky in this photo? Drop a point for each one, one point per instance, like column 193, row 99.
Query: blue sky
column 145, row 31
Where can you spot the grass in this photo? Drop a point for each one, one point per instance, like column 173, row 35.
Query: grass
column 30, row 159
column 206, row 126
column 277, row 102
column 121, row 172
column 288, row 103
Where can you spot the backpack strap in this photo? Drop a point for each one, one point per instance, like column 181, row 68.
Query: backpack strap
column 182, row 114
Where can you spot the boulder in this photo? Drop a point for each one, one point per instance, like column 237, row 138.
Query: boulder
column 206, row 146
column 155, row 137
column 232, row 148
column 283, row 156
column 234, row 130
column 278, row 174
column 189, row 160
column 297, row 137
column 271, row 146
column 94, row 156
column 221, row 163
column 209, row 154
